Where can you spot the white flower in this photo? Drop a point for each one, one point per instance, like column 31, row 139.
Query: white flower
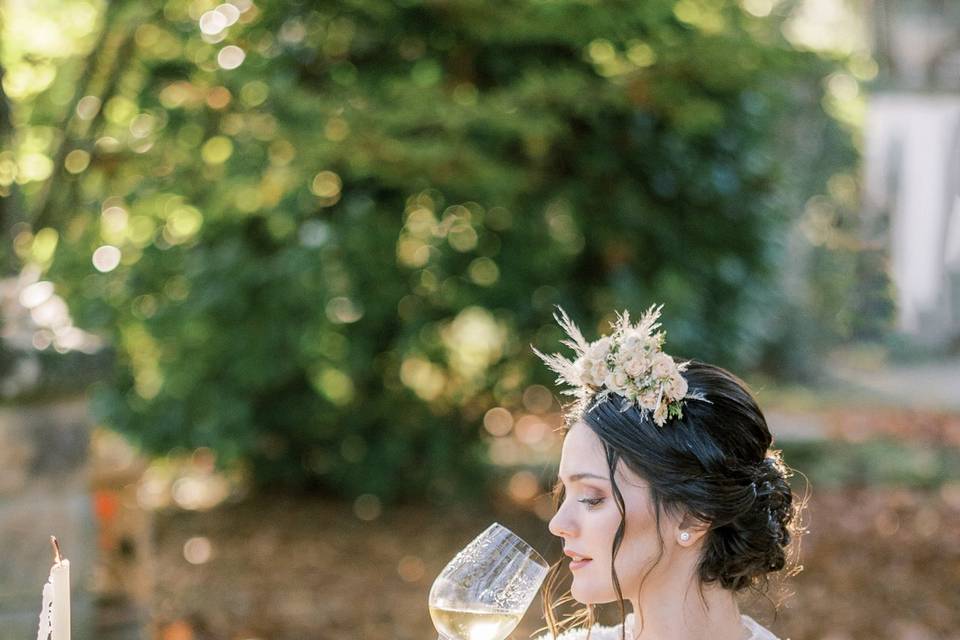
column 592, row 372
column 636, row 365
column 677, row 389
column 648, row 398
column 663, row 366
column 617, row 381
column 633, row 343
column 598, row 350
column 593, row 365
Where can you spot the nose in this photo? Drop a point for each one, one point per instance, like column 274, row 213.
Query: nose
column 561, row 525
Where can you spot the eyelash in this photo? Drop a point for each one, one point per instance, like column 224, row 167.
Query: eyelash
column 590, row 502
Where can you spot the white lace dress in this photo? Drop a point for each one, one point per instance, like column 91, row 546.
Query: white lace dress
column 599, row 632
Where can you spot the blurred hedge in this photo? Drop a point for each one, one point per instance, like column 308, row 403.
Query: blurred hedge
column 336, row 255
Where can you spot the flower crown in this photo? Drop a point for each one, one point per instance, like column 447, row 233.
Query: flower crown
column 629, row 362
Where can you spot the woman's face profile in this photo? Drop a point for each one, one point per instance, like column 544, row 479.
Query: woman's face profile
column 588, row 519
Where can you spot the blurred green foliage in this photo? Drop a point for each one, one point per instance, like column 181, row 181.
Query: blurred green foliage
column 876, row 462
column 322, row 236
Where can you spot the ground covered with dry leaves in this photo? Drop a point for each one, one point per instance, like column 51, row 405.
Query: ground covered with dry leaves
column 878, row 563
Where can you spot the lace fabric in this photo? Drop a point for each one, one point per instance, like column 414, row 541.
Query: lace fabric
column 757, row 630
column 599, row 632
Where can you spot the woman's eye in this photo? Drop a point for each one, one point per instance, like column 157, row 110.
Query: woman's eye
column 590, row 502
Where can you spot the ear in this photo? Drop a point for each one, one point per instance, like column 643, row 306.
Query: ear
column 689, row 530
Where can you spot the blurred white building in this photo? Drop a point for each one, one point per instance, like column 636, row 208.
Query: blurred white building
column 912, row 159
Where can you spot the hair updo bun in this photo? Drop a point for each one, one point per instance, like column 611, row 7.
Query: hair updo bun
column 754, row 542
column 713, row 463
column 775, row 495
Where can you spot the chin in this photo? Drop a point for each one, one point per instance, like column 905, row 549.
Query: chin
column 590, row 594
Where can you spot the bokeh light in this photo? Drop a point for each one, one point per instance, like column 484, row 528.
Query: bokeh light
column 197, row 550
column 336, row 129
column 218, row 97
column 537, row 398
column 758, row 8
column 343, row 310
column 326, row 185
column 532, row 430
column 217, row 150
column 183, row 223
column 230, row 57
column 335, row 385
column 498, row 421
column 425, row 378
column 484, row 271
column 34, row 167
column 142, row 125
column 76, row 161
column 230, row 13
column 254, row 93
column 523, row 486
column 151, row 491
column 36, row 294
column 199, row 491
column 474, row 340
column 52, row 313
column 106, row 258
column 114, row 221
column 411, row 568
column 213, row 22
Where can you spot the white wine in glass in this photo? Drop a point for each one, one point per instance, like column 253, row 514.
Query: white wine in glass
column 457, row 624
column 484, row 591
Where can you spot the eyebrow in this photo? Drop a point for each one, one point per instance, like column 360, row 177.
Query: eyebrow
column 577, row 477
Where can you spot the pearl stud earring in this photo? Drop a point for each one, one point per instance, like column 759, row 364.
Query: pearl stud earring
column 685, row 536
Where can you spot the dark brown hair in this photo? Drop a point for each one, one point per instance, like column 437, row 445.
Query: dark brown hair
column 714, row 464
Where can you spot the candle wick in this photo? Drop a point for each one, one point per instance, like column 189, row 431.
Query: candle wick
column 56, row 549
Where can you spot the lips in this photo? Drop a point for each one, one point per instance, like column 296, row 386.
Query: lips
column 577, row 560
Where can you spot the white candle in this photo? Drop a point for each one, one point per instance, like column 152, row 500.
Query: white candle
column 60, row 578
column 55, row 610
column 43, row 631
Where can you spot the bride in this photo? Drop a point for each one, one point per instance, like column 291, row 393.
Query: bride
column 669, row 497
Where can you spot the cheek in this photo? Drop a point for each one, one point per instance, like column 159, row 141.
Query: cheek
column 637, row 553
column 593, row 584
column 639, row 550
column 603, row 531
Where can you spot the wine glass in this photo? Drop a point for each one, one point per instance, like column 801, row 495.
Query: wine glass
column 484, row 591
